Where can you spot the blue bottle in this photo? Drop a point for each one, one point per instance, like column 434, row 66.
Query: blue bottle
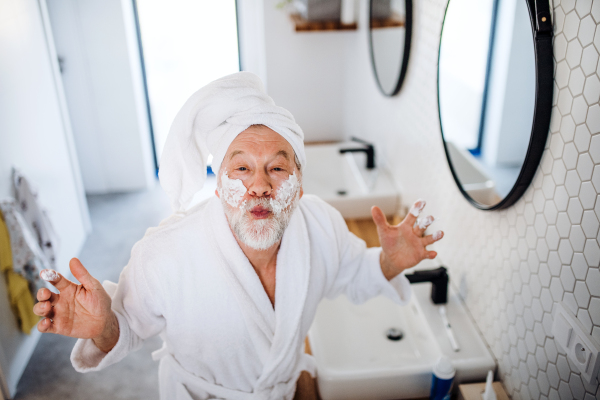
column 443, row 377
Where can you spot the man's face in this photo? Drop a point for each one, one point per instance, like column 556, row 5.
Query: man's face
column 259, row 185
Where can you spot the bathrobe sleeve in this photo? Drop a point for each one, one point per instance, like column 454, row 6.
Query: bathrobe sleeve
column 359, row 274
column 136, row 303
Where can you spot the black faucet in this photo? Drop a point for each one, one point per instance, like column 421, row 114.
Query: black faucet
column 439, row 283
column 369, row 149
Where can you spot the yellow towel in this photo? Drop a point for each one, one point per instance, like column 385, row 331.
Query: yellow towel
column 21, row 299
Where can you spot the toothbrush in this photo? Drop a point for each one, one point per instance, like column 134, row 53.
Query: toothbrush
column 448, row 328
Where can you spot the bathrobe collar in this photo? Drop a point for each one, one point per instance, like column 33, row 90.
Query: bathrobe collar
column 274, row 332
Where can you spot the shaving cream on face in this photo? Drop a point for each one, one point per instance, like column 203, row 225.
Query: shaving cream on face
column 49, row 275
column 286, row 193
column 417, row 207
column 232, row 190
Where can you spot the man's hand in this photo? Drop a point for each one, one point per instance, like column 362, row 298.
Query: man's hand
column 404, row 245
column 81, row 311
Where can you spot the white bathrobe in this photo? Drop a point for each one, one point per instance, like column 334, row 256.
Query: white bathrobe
column 189, row 281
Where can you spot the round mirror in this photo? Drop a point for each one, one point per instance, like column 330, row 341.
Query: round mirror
column 495, row 81
column 389, row 37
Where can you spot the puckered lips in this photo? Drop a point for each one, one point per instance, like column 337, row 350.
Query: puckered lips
column 260, row 212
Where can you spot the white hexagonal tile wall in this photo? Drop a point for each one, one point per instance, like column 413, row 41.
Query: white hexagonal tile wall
column 594, row 310
column 571, row 27
column 574, row 52
column 567, row 127
column 587, row 195
column 593, row 281
column 582, row 138
column 592, row 252
column 593, row 118
column 579, row 266
column 590, row 224
column 579, row 108
column 595, row 11
column 589, row 60
column 591, row 92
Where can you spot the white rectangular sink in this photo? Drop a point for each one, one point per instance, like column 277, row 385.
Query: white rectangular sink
column 343, row 181
column 356, row 360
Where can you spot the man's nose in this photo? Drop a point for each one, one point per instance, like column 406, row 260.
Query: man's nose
column 261, row 185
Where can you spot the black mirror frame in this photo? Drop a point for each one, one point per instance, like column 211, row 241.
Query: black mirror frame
column 407, row 40
column 541, row 25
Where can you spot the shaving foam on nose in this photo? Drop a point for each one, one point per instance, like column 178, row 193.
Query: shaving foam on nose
column 232, row 190
column 286, row 193
column 417, row 207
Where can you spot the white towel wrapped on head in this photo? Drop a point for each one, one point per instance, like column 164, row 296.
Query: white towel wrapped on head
column 207, row 124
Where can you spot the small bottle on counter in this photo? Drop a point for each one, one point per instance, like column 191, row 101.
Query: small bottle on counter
column 443, row 377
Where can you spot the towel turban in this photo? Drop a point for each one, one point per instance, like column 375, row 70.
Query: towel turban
column 207, row 124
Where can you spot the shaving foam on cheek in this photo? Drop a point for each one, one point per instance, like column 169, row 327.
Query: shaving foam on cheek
column 286, row 193
column 232, row 190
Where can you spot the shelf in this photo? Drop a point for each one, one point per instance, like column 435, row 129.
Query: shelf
column 302, row 25
column 394, row 21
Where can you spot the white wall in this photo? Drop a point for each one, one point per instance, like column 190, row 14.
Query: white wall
column 35, row 137
column 305, row 73
column 103, row 83
column 514, row 265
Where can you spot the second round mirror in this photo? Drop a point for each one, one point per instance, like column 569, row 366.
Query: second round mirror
column 390, row 35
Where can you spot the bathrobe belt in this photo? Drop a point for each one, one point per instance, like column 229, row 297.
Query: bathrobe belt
column 276, row 392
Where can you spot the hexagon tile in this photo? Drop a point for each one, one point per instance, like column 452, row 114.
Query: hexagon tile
column 513, row 266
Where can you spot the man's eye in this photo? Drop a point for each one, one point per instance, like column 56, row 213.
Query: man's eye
column 277, row 169
column 242, row 169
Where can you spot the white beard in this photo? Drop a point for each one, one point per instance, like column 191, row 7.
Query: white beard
column 259, row 234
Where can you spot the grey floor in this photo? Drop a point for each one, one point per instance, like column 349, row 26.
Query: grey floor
column 118, row 221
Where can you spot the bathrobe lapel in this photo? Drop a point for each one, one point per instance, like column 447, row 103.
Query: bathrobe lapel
column 254, row 303
column 292, row 278
column 275, row 333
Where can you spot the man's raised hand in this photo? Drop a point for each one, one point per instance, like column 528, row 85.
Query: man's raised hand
column 404, row 245
column 81, row 311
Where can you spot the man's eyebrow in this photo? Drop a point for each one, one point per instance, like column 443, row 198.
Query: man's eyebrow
column 284, row 154
column 235, row 153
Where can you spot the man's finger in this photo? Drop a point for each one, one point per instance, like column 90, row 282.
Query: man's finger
column 379, row 217
column 45, row 294
column 430, row 239
column 43, row 309
column 82, row 274
column 422, row 224
column 56, row 279
column 431, row 255
column 414, row 212
column 46, row 326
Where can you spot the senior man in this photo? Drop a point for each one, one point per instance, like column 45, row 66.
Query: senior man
column 232, row 284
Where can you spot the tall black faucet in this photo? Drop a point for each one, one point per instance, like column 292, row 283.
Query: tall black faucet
column 368, row 149
column 439, row 283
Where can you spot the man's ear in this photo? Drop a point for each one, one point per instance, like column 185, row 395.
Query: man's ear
column 301, row 193
column 217, row 193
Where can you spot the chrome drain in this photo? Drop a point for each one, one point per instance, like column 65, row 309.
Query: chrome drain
column 394, row 334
